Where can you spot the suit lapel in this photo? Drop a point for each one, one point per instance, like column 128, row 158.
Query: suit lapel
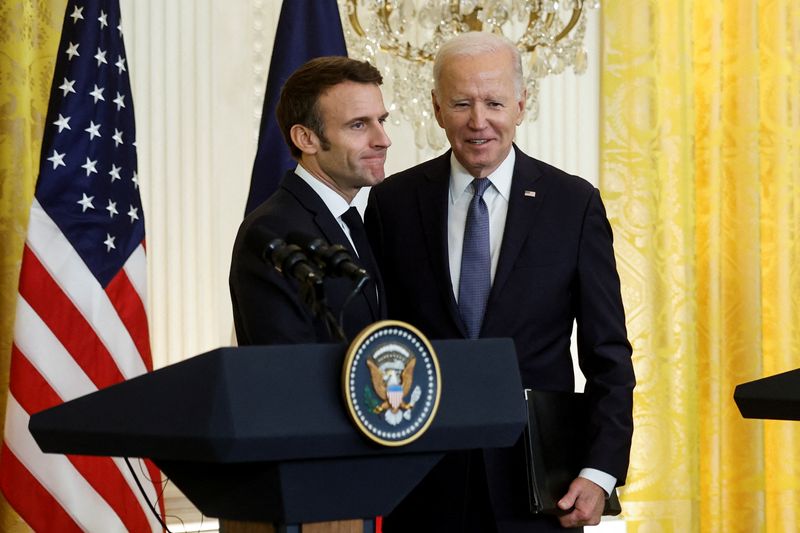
column 433, row 204
column 320, row 213
column 528, row 191
column 330, row 230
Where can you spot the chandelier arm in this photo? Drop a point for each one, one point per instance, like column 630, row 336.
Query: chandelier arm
column 394, row 46
column 352, row 16
column 472, row 21
column 528, row 36
column 573, row 21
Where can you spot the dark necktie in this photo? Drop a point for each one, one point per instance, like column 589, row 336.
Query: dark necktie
column 476, row 262
column 353, row 220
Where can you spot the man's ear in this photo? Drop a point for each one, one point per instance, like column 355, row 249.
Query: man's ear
column 521, row 106
column 304, row 139
column 437, row 109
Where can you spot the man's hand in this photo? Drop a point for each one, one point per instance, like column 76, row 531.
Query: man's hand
column 586, row 500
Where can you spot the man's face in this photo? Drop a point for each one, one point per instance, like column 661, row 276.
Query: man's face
column 353, row 115
column 477, row 106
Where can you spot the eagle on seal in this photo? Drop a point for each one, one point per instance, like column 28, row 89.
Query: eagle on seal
column 388, row 384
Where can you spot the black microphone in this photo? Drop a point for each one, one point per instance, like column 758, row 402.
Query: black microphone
column 333, row 259
column 288, row 259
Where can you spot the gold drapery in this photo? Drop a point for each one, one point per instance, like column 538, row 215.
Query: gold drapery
column 29, row 34
column 700, row 149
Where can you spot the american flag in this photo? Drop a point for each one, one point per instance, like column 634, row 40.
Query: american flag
column 81, row 323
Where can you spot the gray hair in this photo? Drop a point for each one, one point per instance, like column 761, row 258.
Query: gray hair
column 474, row 43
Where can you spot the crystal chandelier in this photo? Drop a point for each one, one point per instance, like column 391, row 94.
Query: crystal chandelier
column 401, row 37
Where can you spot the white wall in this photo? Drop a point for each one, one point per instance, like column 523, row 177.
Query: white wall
column 198, row 71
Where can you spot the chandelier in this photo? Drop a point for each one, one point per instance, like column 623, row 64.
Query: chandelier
column 401, row 37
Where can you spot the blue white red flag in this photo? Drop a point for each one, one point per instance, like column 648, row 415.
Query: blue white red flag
column 81, row 323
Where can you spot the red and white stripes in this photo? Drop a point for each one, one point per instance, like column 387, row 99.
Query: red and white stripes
column 72, row 337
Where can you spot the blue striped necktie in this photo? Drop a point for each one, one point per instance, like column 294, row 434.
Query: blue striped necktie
column 476, row 262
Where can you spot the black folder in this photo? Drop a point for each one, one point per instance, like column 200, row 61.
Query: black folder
column 555, row 447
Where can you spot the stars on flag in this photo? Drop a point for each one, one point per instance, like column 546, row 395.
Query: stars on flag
column 68, row 86
column 86, row 202
column 86, row 109
column 58, row 159
column 90, row 166
column 62, row 123
column 97, row 93
column 100, row 56
column 114, row 173
column 120, row 101
column 93, row 130
column 72, row 50
column 112, row 208
column 109, row 242
column 77, row 14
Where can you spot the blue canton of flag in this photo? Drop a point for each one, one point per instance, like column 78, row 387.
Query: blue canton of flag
column 90, row 188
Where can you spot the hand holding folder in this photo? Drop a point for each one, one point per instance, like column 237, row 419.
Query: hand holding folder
column 555, row 446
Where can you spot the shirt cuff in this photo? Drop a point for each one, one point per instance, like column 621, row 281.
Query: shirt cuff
column 606, row 481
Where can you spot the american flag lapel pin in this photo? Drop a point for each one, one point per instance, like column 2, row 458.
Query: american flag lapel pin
column 530, row 194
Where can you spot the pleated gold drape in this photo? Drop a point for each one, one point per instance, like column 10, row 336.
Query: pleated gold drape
column 29, row 34
column 701, row 173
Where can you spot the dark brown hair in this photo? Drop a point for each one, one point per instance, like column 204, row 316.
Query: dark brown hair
column 299, row 100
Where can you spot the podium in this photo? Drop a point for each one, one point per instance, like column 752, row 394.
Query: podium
column 774, row 397
column 261, row 433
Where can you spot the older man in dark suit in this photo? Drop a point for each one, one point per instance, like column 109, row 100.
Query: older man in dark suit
column 332, row 115
column 485, row 241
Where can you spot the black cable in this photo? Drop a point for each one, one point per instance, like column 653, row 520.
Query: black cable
column 146, row 498
column 334, row 328
column 312, row 294
column 347, row 301
column 164, row 483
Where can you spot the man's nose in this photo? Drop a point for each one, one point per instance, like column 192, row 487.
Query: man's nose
column 380, row 138
column 477, row 117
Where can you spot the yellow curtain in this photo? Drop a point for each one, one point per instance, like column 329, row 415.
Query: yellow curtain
column 29, row 36
column 701, row 172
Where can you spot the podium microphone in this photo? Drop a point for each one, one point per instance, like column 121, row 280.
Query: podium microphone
column 333, row 259
column 288, row 259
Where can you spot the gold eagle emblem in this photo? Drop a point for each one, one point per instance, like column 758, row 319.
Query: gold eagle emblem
column 391, row 371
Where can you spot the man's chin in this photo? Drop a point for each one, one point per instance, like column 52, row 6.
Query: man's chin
column 478, row 169
column 376, row 172
column 371, row 179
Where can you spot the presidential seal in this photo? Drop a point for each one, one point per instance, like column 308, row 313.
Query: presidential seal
column 391, row 382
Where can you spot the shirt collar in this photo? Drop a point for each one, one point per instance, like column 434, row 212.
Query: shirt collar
column 332, row 199
column 460, row 179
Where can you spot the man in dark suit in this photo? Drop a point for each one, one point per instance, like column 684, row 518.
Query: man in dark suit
column 332, row 115
column 485, row 241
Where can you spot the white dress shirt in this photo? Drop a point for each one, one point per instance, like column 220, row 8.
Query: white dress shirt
column 335, row 203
